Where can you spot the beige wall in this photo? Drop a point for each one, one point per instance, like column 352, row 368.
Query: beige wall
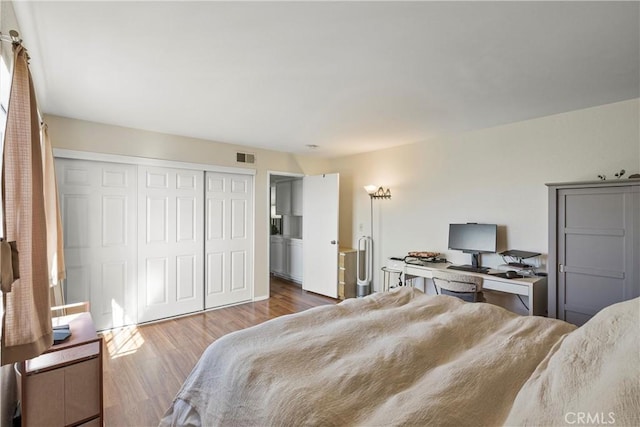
column 495, row 175
column 100, row 138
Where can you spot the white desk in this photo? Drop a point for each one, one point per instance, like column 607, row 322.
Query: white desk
column 535, row 288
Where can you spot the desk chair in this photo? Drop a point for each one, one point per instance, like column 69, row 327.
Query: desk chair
column 403, row 278
column 463, row 286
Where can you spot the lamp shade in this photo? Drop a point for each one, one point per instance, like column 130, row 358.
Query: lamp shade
column 370, row 189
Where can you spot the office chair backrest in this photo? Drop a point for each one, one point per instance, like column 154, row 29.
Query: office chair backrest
column 463, row 286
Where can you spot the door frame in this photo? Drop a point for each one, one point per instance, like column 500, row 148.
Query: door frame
column 267, row 242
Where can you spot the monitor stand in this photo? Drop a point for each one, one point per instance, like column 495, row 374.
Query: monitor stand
column 474, row 267
column 475, row 261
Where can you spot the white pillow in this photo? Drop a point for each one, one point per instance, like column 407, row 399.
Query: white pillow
column 591, row 377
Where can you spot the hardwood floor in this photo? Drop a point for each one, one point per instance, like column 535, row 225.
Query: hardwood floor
column 145, row 366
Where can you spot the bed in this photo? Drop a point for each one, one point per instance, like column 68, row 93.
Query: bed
column 405, row 358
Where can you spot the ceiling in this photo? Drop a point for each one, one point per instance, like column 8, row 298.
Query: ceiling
column 348, row 77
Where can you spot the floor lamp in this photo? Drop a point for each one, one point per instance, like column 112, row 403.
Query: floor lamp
column 365, row 245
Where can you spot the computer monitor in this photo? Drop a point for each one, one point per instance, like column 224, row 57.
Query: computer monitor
column 474, row 239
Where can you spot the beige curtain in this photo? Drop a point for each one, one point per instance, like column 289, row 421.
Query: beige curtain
column 26, row 330
column 55, row 248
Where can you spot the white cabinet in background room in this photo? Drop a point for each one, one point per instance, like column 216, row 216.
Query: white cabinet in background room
column 296, row 197
column 289, row 197
column 294, row 252
column 277, row 255
column 286, row 258
column 283, row 198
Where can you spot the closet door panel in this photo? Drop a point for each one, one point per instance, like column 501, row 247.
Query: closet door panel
column 98, row 208
column 215, row 273
column 186, row 275
column 170, row 250
column 229, row 244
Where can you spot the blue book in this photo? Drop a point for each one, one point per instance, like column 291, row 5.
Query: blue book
column 61, row 333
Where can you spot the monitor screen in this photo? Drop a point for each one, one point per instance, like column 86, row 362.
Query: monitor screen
column 473, row 238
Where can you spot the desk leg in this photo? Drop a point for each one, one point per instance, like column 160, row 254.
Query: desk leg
column 532, row 301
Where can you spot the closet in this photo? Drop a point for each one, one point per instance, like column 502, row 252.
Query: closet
column 594, row 247
column 147, row 241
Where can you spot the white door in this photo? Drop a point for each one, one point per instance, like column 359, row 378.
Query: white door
column 170, row 242
column 98, row 208
column 229, row 238
column 320, row 234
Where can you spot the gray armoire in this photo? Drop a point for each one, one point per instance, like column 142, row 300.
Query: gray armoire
column 594, row 247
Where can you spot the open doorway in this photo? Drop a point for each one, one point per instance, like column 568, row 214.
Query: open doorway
column 285, row 225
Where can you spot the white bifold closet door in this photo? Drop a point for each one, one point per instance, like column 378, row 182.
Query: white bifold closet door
column 229, row 238
column 170, row 242
column 98, row 208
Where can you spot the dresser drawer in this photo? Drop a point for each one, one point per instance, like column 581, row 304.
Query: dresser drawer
column 341, row 259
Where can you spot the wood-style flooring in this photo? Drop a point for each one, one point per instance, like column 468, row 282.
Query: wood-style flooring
column 145, row 366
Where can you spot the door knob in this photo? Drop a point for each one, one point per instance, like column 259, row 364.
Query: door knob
column 333, row 242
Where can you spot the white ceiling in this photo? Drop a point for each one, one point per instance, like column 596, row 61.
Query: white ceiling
column 346, row 76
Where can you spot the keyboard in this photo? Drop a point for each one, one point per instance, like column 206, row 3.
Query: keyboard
column 468, row 268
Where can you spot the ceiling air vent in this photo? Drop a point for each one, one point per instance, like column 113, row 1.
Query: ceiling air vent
column 245, row 158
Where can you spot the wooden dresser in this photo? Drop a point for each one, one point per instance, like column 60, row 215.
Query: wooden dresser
column 347, row 275
column 63, row 386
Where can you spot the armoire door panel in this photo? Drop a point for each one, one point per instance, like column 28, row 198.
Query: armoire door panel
column 594, row 211
column 229, row 244
column 595, row 292
column 600, row 252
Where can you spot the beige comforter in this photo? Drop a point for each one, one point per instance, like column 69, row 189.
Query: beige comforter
column 392, row 358
column 592, row 377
